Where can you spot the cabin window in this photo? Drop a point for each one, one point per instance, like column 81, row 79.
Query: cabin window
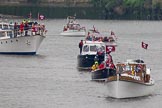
column 101, row 49
column 93, row 48
column 9, row 33
column 119, row 69
column 127, row 68
column 2, row 34
column 86, row 48
column 5, row 26
column 11, row 26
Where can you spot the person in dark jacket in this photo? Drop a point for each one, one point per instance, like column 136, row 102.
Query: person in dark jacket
column 81, row 46
column 15, row 29
column 26, row 28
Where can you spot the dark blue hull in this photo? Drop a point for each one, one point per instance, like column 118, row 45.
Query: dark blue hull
column 86, row 61
column 18, row 53
column 102, row 73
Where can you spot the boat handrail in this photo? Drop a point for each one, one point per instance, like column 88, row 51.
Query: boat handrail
column 10, row 33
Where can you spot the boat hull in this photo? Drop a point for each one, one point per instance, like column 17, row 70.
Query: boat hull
column 73, row 33
column 102, row 74
column 24, row 45
column 128, row 89
column 86, row 61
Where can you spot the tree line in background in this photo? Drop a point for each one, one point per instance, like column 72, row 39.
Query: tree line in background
column 129, row 9
column 99, row 9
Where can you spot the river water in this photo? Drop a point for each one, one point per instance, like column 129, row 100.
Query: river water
column 50, row 79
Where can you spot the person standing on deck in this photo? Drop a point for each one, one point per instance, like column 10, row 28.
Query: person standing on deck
column 15, row 29
column 81, row 46
column 21, row 28
column 26, row 28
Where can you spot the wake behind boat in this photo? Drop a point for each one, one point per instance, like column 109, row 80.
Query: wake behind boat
column 133, row 79
column 72, row 28
column 16, row 39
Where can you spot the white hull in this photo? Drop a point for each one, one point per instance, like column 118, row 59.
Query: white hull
column 73, row 33
column 126, row 89
column 21, row 45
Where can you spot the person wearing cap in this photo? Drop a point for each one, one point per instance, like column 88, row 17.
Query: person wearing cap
column 81, row 46
column 95, row 66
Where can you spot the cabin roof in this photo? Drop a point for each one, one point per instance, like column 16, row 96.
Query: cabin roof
column 132, row 62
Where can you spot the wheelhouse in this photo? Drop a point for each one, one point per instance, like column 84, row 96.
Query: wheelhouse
column 91, row 48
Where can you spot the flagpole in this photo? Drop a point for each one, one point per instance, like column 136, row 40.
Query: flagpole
column 144, row 46
column 141, row 52
column 38, row 16
column 30, row 18
column 105, row 55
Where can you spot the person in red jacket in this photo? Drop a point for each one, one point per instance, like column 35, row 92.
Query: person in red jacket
column 81, row 46
column 102, row 65
column 21, row 28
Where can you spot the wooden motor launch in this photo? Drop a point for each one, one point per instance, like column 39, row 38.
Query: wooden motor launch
column 132, row 79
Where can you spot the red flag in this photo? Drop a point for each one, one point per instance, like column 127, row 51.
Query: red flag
column 41, row 17
column 110, row 48
column 144, row 45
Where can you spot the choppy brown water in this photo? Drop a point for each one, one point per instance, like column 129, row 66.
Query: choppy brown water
column 51, row 80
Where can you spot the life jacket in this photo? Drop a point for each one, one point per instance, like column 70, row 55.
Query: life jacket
column 101, row 66
column 94, row 67
column 21, row 27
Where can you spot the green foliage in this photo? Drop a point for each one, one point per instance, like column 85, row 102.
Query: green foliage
column 33, row 1
column 95, row 3
column 108, row 4
column 133, row 3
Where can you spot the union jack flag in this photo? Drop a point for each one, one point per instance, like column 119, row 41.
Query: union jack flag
column 41, row 17
column 144, row 45
column 110, row 48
